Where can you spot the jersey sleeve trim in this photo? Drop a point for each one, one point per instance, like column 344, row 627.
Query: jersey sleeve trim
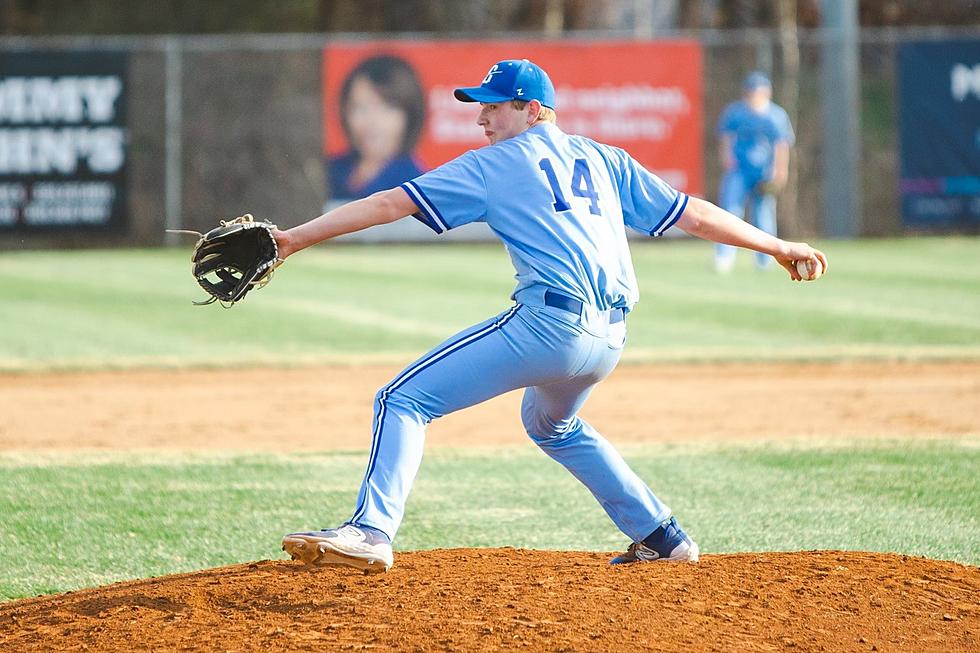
column 428, row 213
column 673, row 215
column 424, row 219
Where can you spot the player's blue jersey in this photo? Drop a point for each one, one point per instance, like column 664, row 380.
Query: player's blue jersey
column 754, row 136
column 560, row 204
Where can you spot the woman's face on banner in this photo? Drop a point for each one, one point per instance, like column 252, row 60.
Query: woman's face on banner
column 376, row 127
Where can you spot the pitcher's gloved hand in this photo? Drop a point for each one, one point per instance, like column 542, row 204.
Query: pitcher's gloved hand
column 234, row 258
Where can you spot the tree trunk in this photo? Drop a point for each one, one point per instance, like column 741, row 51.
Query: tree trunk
column 554, row 18
column 789, row 96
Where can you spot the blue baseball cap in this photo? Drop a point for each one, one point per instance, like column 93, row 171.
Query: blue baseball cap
column 511, row 79
column 756, row 80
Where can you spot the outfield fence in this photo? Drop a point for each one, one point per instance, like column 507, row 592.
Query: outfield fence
column 218, row 125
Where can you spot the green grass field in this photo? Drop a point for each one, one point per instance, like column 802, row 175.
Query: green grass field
column 74, row 521
column 71, row 520
column 96, row 309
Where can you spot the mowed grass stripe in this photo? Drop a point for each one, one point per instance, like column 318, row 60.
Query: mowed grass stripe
column 890, row 310
column 359, row 316
column 734, row 352
column 126, row 307
column 106, row 517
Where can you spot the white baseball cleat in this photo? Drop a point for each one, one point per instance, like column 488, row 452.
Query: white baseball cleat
column 668, row 543
column 366, row 549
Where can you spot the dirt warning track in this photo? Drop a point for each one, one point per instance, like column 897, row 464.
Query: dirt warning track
column 328, row 408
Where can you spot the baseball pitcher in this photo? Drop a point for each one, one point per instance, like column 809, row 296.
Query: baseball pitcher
column 560, row 204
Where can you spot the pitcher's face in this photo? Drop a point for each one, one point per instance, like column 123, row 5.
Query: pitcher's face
column 500, row 120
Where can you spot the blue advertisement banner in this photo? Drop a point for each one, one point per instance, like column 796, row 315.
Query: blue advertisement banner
column 939, row 131
column 63, row 141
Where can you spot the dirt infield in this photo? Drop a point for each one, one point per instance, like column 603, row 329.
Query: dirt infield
column 330, row 408
column 506, row 599
column 498, row 599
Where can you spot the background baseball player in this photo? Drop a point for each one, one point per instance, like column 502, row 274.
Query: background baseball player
column 561, row 205
column 754, row 140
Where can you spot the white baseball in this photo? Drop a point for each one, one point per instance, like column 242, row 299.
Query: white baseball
column 810, row 269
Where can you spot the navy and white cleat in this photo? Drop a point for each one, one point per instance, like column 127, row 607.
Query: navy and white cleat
column 363, row 548
column 668, row 543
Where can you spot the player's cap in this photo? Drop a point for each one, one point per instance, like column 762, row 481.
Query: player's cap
column 512, row 79
column 756, row 80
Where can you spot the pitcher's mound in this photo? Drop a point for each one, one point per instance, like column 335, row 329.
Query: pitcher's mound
column 505, row 599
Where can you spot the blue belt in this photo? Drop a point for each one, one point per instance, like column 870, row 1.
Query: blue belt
column 566, row 303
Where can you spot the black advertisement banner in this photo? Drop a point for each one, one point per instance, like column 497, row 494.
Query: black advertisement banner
column 939, row 127
column 63, row 141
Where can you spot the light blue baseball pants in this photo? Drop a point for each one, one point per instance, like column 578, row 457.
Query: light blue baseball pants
column 559, row 356
column 736, row 191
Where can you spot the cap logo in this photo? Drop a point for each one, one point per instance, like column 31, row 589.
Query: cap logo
column 493, row 71
column 520, row 91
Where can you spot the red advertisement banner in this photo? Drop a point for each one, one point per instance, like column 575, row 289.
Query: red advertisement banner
column 389, row 111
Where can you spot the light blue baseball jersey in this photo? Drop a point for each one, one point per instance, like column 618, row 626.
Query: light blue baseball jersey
column 560, row 204
column 754, row 136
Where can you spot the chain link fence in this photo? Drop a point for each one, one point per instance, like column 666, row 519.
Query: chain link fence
column 222, row 125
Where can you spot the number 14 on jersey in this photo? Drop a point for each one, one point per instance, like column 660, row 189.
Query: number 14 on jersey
column 581, row 185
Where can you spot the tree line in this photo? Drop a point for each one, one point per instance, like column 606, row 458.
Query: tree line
column 65, row 17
